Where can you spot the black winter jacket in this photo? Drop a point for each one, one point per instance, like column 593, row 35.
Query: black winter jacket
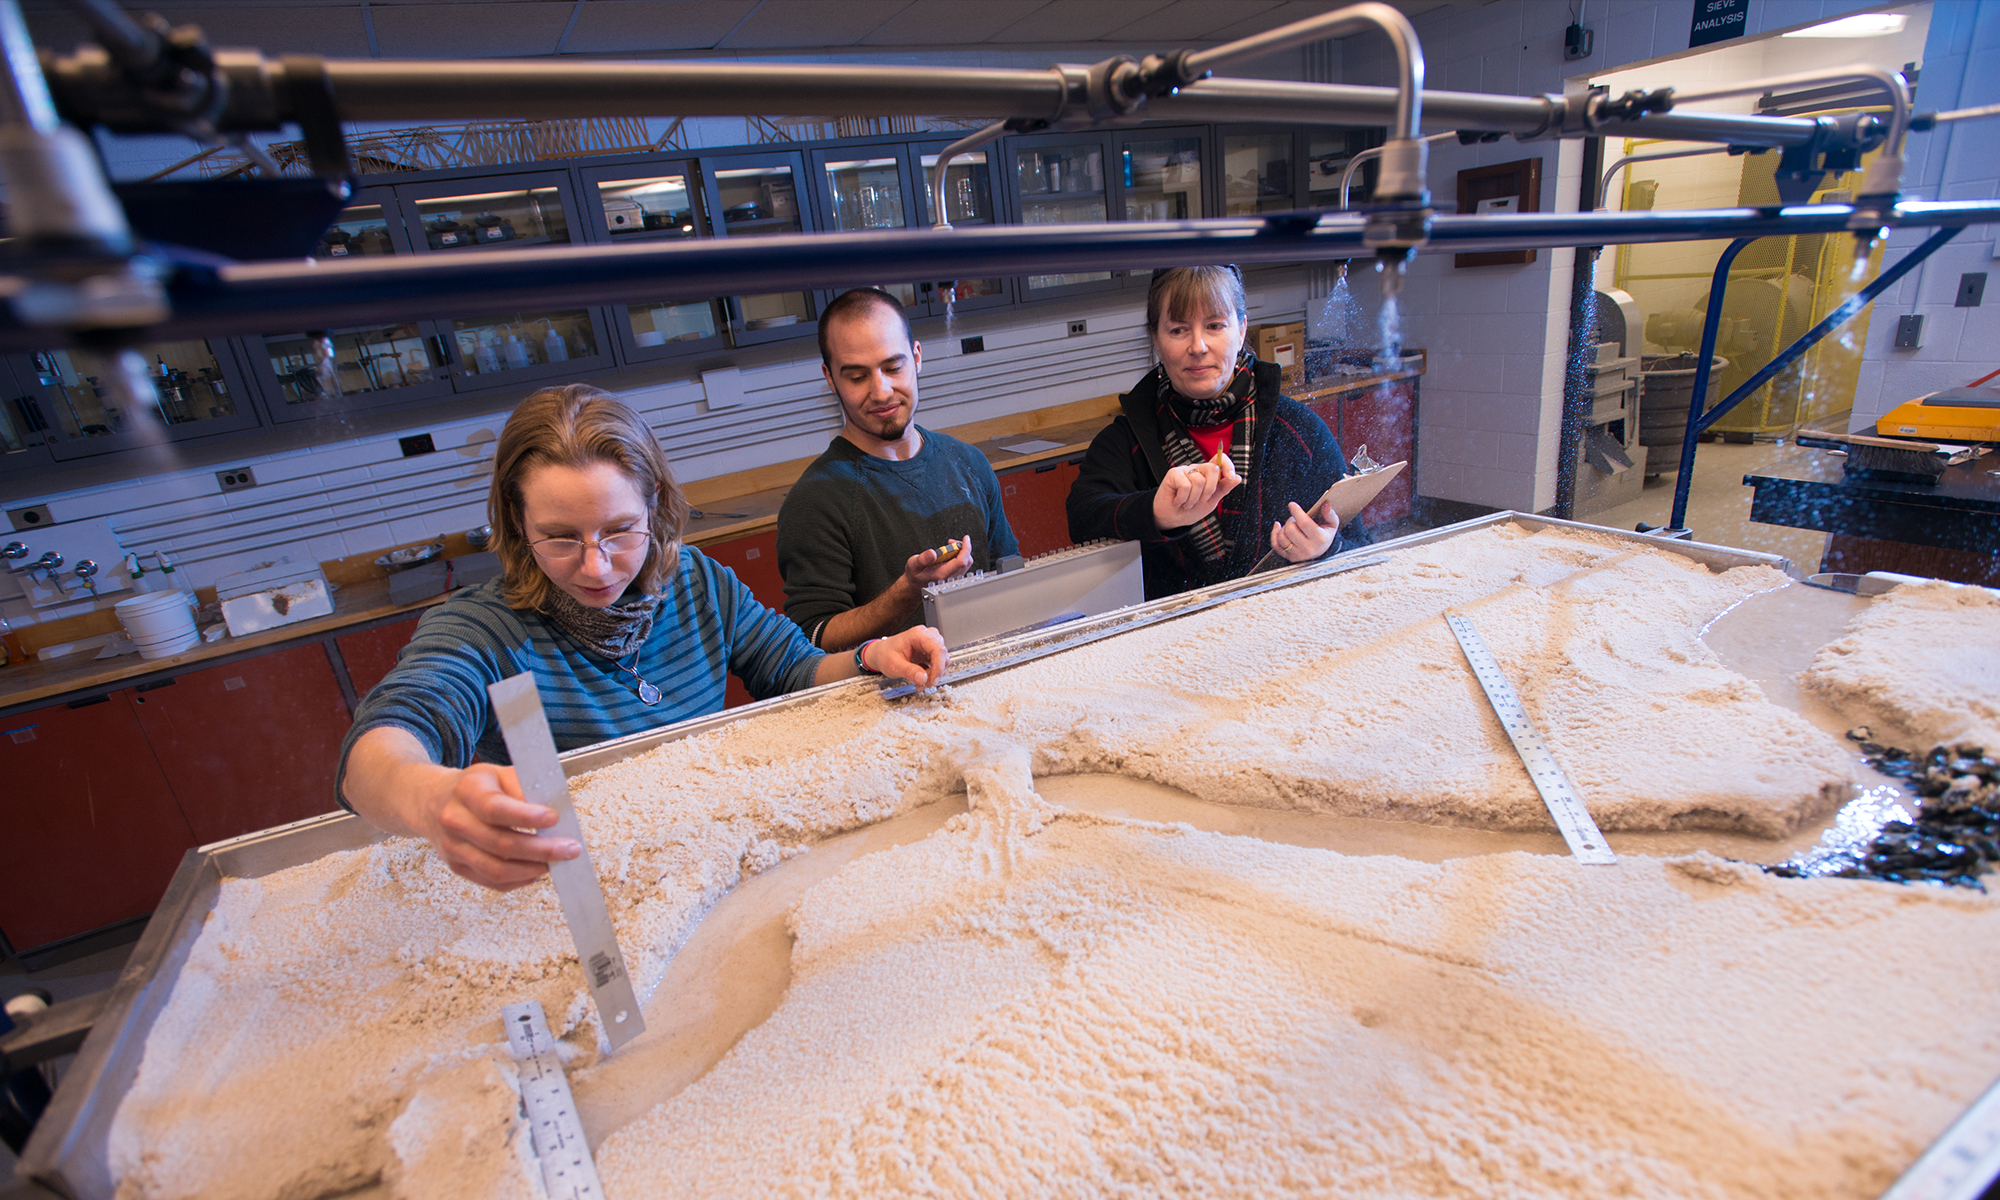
column 1296, row 459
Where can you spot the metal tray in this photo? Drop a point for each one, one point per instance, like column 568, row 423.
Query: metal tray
column 68, row 1151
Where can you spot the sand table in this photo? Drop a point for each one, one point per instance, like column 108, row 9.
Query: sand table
column 337, row 1023
column 1921, row 666
column 1041, row 1003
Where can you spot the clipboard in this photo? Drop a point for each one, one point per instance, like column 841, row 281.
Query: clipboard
column 1348, row 495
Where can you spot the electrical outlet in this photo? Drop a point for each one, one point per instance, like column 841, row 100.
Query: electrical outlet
column 419, row 444
column 1910, row 332
column 1971, row 289
column 236, row 479
column 971, row 345
column 36, row 517
column 1078, row 328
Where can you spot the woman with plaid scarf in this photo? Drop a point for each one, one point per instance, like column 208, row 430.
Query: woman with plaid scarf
column 1207, row 464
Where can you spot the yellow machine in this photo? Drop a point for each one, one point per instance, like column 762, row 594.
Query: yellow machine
column 1965, row 414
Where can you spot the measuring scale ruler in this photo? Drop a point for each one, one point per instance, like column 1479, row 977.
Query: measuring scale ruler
column 1572, row 818
column 526, row 727
column 568, row 1172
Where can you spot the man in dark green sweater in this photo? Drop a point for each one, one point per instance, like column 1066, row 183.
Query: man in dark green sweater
column 859, row 534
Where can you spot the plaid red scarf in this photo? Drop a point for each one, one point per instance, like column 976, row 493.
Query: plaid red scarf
column 1178, row 414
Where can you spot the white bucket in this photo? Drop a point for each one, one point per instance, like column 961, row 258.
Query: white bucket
column 152, row 619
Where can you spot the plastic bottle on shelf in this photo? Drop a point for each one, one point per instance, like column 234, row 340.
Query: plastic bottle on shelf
column 485, row 359
column 554, row 348
column 513, row 351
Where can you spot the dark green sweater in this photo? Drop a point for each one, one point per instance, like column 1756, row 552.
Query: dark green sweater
column 853, row 520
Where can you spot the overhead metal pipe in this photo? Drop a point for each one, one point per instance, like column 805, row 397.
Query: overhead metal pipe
column 251, row 298
column 89, row 89
column 1604, row 188
column 992, row 133
column 1354, row 18
column 1374, row 152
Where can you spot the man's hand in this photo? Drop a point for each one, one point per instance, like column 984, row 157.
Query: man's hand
column 916, row 654
column 1303, row 538
column 929, row 567
column 475, row 818
column 1187, row 494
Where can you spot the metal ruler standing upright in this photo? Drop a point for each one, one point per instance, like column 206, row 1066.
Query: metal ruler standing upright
column 1572, row 818
column 568, row 1172
column 533, row 749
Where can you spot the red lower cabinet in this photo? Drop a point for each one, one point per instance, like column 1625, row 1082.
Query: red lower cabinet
column 371, row 654
column 1035, row 499
column 248, row 745
column 93, row 830
column 755, row 561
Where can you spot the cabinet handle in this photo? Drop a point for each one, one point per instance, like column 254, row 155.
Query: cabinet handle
column 156, row 685
column 90, row 700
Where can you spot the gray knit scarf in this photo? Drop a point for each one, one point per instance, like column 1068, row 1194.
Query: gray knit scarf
column 613, row 631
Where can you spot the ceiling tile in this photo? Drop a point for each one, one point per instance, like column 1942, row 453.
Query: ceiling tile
column 950, row 22
column 1078, row 20
column 1190, row 21
column 637, row 26
column 470, row 30
column 792, row 24
column 272, row 28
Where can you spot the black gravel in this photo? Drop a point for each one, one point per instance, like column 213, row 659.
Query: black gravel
column 1956, row 836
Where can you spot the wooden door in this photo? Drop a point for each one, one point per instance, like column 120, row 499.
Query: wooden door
column 251, row 744
column 371, row 653
column 1034, row 498
column 93, row 832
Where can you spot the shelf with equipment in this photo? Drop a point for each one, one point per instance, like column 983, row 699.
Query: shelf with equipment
column 1260, row 169
column 759, row 195
column 1062, row 179
column 199, row 391
column 653, row 200
column 970, row 202
column 1162, row 176
column 496, row 214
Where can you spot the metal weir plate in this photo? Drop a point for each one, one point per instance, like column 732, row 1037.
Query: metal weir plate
column 533, row 749
column 1572, row 818
column 568, row 1172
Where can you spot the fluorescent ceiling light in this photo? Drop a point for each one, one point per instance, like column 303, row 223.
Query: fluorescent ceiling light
column 1860, row 25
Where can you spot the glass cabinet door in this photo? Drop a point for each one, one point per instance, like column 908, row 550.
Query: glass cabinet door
column 197, row 390
column 968, row 199
column 488, row 220
column 649, row 202
column 1327, row 156
column 1260, row 173
column 759, row 195
column 23, row 422
column 507, row 348
column 863, row 189
column 305, row 375
column 1062, row 182
column 1162, row 179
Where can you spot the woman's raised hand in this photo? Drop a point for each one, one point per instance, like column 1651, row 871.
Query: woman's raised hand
column 1187, row 494
column 1302, row 538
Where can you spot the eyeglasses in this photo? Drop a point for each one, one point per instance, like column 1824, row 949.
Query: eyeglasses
column 562, row 550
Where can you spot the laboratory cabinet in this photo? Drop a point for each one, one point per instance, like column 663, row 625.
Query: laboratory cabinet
column 370, row 654
column 654, row 200
column 94, row 832
column 754, row 559
column 56, row 411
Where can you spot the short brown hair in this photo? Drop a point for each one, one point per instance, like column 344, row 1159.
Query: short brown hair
column 1180, row 293
column 855, row 302
column 576, row 425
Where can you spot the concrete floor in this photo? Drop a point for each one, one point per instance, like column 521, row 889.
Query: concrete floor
column 1719, row 504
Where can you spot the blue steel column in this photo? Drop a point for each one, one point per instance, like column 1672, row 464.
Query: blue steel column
column 1698, row 421
column 1710, row 326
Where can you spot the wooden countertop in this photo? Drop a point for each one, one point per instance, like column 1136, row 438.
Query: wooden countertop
column 353, row 604
column 731, row 506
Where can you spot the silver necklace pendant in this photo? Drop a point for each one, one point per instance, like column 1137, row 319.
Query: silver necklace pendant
column 647, row 692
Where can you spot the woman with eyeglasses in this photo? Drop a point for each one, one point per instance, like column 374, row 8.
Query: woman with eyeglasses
column 624, row 629
column 1207, row 464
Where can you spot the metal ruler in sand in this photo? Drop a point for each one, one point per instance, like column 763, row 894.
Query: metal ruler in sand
column 568, row 1173
column 1572, row 818
column 1963, row 1163
column 519, row 708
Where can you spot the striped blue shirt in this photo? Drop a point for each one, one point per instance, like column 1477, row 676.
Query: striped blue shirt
column 708, row 626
